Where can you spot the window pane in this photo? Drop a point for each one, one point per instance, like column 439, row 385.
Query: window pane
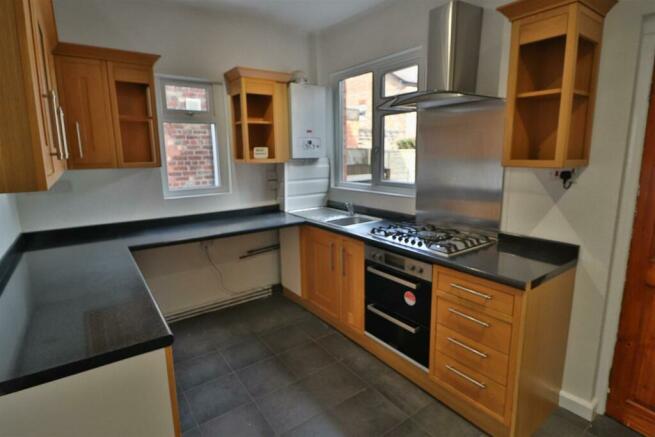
column 185, row 98
column 190, row 160
column 401, row 81
column 400, row 147
column 357, row 127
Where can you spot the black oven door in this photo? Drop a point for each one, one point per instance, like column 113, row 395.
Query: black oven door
column 398, row 310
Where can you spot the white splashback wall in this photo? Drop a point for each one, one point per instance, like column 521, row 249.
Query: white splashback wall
column 9, row 224
column 192, row 42
column 534, row 201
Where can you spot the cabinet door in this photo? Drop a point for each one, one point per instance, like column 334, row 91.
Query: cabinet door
column 352, row 284
column 320, row 271
column 135, row 121
column 53, row 147
column 84, row 91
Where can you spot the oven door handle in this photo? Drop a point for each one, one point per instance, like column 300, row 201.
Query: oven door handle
column 412, row 329
column 391, row 277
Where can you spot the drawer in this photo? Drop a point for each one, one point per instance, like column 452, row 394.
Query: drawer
column 474, row 325
column 476, row 293
column 470, row 383
column 484, row 359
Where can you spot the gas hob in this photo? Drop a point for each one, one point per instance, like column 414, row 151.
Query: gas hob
column 436, row 240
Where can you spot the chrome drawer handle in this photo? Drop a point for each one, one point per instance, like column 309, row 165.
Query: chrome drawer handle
column 467, row 317
column 395, row 279
column 468, row 348
column 471, row 291
column 466, row 377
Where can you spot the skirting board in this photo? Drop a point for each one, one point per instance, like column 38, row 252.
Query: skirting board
column 581, row 407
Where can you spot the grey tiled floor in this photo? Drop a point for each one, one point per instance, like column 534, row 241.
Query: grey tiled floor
column 269, row 367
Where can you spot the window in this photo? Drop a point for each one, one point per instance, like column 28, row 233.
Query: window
column 189, row 132
column 377, row 146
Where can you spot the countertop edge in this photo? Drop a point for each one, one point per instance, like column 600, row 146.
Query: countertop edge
column 69, row 369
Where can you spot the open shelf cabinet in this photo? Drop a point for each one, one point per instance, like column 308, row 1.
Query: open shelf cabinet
column 259, row 104
column 551, row 91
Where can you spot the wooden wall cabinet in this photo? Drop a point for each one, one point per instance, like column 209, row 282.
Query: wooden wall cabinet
column 333, row 277
column 260, row 114
column 32, row 147
column 109, row 96
column 551, row 91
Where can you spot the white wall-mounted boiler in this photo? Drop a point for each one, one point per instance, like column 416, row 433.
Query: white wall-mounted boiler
column 308, row 116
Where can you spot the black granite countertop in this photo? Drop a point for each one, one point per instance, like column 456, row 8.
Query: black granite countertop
column 73, row 299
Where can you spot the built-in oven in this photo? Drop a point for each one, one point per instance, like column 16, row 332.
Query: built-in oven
column 398, row 296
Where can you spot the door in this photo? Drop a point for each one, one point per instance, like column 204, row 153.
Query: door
column 632, row 383
column 320, row 271
column 352, row 284
column 44, row 34
column 85, row 98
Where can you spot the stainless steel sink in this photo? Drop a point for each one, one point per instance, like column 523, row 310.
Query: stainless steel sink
column 351, row 220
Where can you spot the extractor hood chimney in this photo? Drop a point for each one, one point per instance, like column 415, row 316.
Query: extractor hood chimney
column 453, row 53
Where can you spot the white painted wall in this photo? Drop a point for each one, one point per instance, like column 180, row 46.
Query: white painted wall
column 182, row 278
column 127, row 398
column 535, row 203
column 192, row 42
column 9, row 224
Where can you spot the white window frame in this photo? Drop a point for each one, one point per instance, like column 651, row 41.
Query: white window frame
column 379, row 68
column 215, row 115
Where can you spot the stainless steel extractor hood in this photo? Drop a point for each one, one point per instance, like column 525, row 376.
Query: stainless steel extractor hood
column 453, row 53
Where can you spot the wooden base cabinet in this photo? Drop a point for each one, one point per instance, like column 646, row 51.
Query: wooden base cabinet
column 109, row 98
column 333, row 277
column 32, row 144
column 496, row 353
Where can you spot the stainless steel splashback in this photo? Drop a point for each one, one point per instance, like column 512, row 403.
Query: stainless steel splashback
column 459, row 172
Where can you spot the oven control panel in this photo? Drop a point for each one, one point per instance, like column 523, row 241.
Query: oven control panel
column 401, row 263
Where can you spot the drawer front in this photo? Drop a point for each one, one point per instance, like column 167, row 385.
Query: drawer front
column 476, row 293
column 475, row 325
column 470, row 383
column 484, row 359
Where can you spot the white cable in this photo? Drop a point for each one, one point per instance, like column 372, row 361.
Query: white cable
column 217, row 270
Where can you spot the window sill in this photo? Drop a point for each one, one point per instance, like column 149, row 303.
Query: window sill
column 408, row 193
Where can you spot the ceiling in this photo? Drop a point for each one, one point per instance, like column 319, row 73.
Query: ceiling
column 305, row 15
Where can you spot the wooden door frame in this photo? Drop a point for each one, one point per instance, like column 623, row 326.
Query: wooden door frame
column 628, row 200
column 631, row 318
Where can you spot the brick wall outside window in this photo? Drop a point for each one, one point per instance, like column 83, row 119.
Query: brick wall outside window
column 189, row 155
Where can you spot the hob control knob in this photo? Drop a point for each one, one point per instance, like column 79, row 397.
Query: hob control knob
column 412, row 268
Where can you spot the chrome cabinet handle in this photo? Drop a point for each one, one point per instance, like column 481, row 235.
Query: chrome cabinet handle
column 467, row 317
column 399, row 323
column 60, row 112
column 391, row 277
column 471, row 291
column 468, row 348
column 343, row 262
column 80, row 147
column 466, row 377
column 52, row 97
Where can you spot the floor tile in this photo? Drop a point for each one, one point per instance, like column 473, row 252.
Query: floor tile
column 281, row 339
column 332, row 385
column 246, row 353
column 187, row 421
column 604, row 426
column 244, row 421
column 265, row 376
column 315, row 328
column 322, row 425
column 201, row 369
column 563, row 423
column 365, row 414
column 408, row 428
column 288, row 407
column 340, row 347
column 401, row 391
column 190, row 346
column 306, row 359
column 439, row 421
column 193, row 432
column 216, row 397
